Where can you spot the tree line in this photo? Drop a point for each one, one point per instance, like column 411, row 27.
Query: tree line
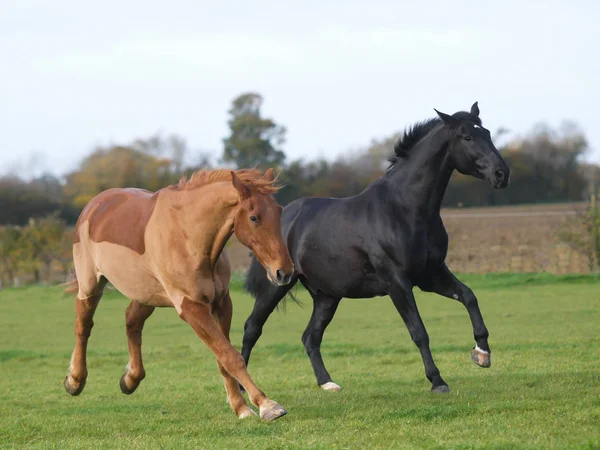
column 546, row 167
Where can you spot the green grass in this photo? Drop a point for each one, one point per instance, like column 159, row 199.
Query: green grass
column 542, row 391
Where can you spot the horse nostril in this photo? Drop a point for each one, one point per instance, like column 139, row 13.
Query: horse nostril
column 279, row 275
column 500, row 175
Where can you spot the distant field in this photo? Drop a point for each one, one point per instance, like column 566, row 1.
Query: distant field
column 542, row 391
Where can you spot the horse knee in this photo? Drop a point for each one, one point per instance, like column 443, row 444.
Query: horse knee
column 83, row 328
column 233, row 363
column 467, row 297
column 312, row 339
column 132, row 327
column 252, row 333
column 420, row 338
column 306, row 339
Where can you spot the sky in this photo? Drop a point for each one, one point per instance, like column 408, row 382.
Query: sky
column 76, row 75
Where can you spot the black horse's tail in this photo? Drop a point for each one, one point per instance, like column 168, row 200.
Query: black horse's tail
column 260, row 287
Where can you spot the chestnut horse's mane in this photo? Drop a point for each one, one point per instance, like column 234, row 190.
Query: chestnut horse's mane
column 252, row 178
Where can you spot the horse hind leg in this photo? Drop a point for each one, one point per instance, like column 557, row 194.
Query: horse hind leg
column 404, row 301
column 135, row 318
column 86, row 302
column 266, row 300
column 265, row 303
column 324, row 308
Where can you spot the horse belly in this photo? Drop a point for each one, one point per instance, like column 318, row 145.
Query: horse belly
column 129, row 273
column 340, row 275
column 367, row 287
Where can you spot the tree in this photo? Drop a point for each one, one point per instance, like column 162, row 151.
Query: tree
column 20, row 200
column 9, row 252
column 119, row 166
column 41, row 242
column 173, row 147
column 254, row 140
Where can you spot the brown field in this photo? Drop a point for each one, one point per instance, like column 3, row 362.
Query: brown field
column 513, row 239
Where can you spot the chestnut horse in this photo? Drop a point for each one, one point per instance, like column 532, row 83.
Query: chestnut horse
column 165, row 249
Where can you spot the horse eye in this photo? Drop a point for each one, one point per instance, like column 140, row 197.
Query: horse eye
column 468, row 138
column 253, row 219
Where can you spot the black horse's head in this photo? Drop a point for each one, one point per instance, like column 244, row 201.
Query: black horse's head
column 472, row 150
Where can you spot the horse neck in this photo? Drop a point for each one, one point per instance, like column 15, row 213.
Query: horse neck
column 208, row 215
column 422, row 178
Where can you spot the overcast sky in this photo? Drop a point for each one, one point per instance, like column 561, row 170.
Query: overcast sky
column 77, row 74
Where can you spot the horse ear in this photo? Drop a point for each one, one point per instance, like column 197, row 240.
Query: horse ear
column 446, row 118
column 240, row 186
column 475, row 110
column 269, row 175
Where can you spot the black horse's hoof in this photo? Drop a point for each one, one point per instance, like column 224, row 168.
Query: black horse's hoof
column 124, row 388
column 441, row 389
column 481, row 357
column 71, row 390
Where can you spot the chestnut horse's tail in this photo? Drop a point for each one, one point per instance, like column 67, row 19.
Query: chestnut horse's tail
column 71, row 287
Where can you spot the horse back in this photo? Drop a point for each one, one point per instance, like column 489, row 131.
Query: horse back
column 118, row 216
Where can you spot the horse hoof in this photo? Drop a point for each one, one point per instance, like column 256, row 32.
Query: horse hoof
column 74, row 391
column 331, row 386
column 126, row 389
column 246, row 412
column 481, row 357
column 272, row 411
column 441, row 389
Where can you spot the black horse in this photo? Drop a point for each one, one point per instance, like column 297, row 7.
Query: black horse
column 384, row 240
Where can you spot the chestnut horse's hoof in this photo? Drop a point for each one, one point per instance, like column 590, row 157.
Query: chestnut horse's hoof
column 441, row 389
column 126, row 389
column 74, row 391
column 246, row 412
column 271, row 410
column 481, row 357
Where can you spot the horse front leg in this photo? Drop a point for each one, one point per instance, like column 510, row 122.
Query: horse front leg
column 324, row 308
column 401, row 293
column 223, row 313
column 443, row 282
column 200, row 318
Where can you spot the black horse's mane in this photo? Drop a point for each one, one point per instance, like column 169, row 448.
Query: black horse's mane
column 418, row 131
column 411, row 136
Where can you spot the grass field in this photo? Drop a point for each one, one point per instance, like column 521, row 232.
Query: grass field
column 542, row 391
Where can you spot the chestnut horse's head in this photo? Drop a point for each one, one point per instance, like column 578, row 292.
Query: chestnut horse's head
column 258, row 226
